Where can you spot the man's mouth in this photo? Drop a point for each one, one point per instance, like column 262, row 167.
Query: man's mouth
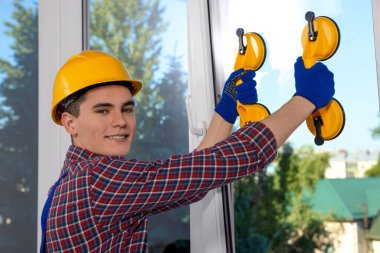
column 118, row 137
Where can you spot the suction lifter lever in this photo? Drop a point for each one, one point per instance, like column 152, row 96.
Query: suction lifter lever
column 240, row 34
column 318, row 122
column 309, row 16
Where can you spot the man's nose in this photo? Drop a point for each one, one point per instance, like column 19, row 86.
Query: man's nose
column 119, row 120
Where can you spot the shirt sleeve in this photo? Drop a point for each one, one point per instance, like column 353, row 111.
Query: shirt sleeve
column 127, row 187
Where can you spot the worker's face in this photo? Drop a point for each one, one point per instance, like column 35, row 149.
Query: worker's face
column 106, row 123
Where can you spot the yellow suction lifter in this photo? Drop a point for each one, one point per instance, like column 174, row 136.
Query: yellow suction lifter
column 250, row 56
column 320, row 40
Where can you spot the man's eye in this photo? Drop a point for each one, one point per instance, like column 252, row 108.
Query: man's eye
column 102, row 111
column 128, row 109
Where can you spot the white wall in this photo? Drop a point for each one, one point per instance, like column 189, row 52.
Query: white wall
column 375, row 246
column 337, row 169
column 348, row 237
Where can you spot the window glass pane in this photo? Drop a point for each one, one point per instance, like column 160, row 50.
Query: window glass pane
column 18, row 125
column 150, row 37
column 272, row 209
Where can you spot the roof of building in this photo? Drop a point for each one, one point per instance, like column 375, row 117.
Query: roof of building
column 347, row 199
column 355, row 155
column 374, row 232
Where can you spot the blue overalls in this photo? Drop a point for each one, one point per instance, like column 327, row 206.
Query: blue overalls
column 45, row 212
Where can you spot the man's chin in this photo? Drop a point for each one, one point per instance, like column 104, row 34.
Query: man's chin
column 116, row 151
column 120, row 152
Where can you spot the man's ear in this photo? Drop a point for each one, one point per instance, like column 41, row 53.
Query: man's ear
column 68, row 121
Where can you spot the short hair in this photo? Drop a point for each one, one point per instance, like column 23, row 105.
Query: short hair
column 72, row 103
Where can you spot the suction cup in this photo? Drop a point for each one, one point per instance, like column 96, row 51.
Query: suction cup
column 252, row 55
column 252, row 113
column 327, row 123
column 320, row 39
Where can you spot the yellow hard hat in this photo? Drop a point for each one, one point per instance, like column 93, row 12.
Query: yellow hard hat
column 84, row 70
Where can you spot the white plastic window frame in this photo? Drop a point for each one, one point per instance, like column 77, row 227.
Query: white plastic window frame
column 60, row 36
column 376, row 32
column 207, row 228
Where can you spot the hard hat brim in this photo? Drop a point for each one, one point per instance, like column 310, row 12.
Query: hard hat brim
column 136, row 87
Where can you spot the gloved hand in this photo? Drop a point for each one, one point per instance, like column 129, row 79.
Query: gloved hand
column 246, row 92
column 315, row 84
column 227, row 104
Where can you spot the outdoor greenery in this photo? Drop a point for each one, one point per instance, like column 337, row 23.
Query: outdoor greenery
column 19, row 132
column 376, row 132
column 132, row 31
column 272, row 212
column 375, row 170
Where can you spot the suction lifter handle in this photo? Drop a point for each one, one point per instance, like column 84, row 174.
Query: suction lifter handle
column 240, row 34
column 309, row 16
column 318, row 140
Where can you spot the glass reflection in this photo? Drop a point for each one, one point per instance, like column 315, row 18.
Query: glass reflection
column 18, row 125
column 150, row 37
column 279, row 210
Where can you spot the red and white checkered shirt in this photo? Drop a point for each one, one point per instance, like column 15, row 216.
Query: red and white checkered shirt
column 103, row 203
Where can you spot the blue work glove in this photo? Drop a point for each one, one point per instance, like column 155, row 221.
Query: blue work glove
column 315, row 84
column 227, row 104
column 246, row 92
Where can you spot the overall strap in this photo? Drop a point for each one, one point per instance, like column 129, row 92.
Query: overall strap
column 45, row 212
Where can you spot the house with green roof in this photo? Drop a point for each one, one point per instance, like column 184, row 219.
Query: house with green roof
column 350, row 206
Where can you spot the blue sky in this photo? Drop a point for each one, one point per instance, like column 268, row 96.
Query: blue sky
column 175, row 38
column 5, row 14
column 353, row 64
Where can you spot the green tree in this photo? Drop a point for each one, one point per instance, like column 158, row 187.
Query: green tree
column 18, row 135
column 305, row 230
column 375, row 170
column 171, row 126
column 272, row 211
column 376, row 132
column 254, row 228
column 172, row 115
column 132, row 30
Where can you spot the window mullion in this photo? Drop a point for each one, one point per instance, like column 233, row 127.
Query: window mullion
column 376, row 30
column 60, row 35
column 206, row 223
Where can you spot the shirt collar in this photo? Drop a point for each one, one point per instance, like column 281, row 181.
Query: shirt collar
column 78, row 153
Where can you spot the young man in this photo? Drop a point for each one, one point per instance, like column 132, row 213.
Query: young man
column 102, row 199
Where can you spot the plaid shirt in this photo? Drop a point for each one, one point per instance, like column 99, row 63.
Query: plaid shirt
column 103, row 203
